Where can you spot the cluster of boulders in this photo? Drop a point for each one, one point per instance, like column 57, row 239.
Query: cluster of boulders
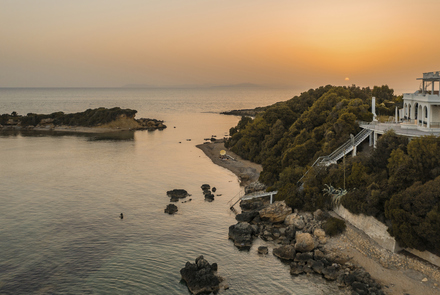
column 301, row 241
column 209, row 196
column 150, row 124
column 177, row 194
column 201, row 277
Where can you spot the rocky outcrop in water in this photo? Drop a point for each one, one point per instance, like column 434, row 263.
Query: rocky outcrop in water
column 201, row 277
column 242, row 234
column 171, row 209
column 177, row 194
column 206, row 188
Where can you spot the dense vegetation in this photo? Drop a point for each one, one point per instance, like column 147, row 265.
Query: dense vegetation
column 398, row 182
column 88, row 118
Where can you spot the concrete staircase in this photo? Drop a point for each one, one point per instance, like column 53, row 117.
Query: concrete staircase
column 340, row 152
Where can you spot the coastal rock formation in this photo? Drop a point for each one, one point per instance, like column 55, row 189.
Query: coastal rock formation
column 301, row 238
column 171, row 209
column 242, row 234
column 201, row 277
column 254, row 187
column 246, row 216
column 252, row 204
column 286, row 252
column 304, row 242
column 275, row 212
column 177, row 194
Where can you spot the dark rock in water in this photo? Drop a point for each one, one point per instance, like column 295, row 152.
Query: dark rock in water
column 205, row 187
column 296, row 269
column 286, row 252
column 200, row 277
column 177, row 194
column 171, row 209
column 263, row 250
column 242, row 234
column 214, row 189
column 209, row 197
column 246, row 216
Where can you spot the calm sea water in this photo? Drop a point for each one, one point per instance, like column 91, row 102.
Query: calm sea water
column 61, row 196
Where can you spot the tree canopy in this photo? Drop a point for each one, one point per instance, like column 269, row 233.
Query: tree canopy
column 398, row 182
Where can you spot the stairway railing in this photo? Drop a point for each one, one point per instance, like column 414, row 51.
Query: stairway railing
column 340, row 152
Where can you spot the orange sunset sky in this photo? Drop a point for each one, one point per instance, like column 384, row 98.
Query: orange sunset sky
column 295, row 43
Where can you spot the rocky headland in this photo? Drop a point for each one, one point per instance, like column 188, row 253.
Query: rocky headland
column 245, row 112
column 299, row 239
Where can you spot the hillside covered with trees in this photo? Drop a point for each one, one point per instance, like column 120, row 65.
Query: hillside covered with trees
column 398, row 182
column 89, row 118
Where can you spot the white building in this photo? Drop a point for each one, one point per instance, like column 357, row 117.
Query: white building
column 422, row 108
column 419, row 116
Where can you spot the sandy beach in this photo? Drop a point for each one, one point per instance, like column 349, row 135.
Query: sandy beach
column 246, row 171
column 398, row 279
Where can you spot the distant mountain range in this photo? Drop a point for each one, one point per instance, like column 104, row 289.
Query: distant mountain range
column 240, row 85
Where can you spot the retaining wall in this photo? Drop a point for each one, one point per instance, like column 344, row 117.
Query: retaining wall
column 377, row 231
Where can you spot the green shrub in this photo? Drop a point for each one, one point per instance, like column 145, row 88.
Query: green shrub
column 333, row 226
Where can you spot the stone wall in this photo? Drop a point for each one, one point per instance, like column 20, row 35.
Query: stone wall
column 377, row 231
column 387, row 258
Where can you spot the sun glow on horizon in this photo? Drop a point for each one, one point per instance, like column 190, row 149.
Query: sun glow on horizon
column 290, row 42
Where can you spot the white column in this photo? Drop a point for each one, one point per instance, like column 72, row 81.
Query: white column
column 373, row 108
column 371, row 139
column 353, row 153
column 374, row 139
column 428, row 120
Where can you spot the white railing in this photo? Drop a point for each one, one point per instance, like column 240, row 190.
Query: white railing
column 341, row 151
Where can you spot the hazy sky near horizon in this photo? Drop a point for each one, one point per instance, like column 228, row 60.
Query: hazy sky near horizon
column 298, row 43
